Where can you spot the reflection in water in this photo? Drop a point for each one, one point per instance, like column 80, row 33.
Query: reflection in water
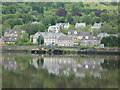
column 59, row 65
column 9, row 64
column 46, row 71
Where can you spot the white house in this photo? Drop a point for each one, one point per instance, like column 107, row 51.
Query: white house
column 101, row 35
column 63, row 25
column 54, row 28
column 78, row 25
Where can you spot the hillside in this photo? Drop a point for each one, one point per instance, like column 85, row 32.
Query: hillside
column 21, row 15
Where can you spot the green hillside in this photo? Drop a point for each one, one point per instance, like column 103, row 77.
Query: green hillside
column 20, row 15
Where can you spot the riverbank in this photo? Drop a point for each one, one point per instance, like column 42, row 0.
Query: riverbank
column 59, row 50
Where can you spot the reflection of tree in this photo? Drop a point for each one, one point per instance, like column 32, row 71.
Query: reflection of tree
column 110, row 64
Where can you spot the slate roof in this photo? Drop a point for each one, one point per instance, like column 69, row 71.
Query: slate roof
column 80, row 24
column 14, row 31
column 79, row 33
column 9, row 39
column 91, row 38
column 65, row 38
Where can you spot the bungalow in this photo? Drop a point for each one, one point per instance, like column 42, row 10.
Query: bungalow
column 54, row 28
column 78, row 25
column 91, row 41
column 65, row 41
column 63, row 25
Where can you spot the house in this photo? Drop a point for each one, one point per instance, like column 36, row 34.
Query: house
column 65, row 41
column 11, row 36
column 13, row 33
column 9, row 40
column 35, row 22
column 54, row 28
column 101, row 35
column 78, row 25
column 1, row 41
column 52, row 38
column 63, row 25
column 78, row 35
column 91, row 41
column 36, row 35
column 96, row 26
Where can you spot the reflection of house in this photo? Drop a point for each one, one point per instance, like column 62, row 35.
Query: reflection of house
column 63, row 65
column 63, row 25
column 54, row 28
column 9, row 64
column 65, row 41
column 91, row 41
column 78, row 35
column 79, row 25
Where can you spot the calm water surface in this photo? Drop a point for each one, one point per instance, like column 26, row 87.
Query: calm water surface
column 59, row 71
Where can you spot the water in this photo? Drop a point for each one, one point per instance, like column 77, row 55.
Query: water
column 59, row 71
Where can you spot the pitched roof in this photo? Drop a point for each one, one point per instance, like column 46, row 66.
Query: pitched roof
column 91, row 38
column 65, row 38
column 14, row 31
column 9, row 39
column 79, row 33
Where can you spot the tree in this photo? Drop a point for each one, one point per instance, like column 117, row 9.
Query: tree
column 75, row 11
column 111, row 41
column 22, row 39
column 69, row 18
column 40, row 40
column 61, row 12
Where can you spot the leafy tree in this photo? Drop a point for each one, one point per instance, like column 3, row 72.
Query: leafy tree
column 111, row 41
column 61, row 12
column 75, row 11
column 23, row 38
column 40, row 40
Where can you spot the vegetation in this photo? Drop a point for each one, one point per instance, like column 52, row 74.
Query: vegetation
column 21, row 15
column 111, row 41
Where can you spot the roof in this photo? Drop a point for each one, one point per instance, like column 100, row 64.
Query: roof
column 14, row 31
column 62, row 23
column 9, row 39
column 79, row 33
column 65, row 38
column 91, row 38
column 48, row 34
column 103, row 34
column 80, row 24
column 97, row 24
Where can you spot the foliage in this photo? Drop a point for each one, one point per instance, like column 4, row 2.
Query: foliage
column 111, row 41
column 61, row 12
column 40, row 40
column 21, row 14
column 23, row 39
